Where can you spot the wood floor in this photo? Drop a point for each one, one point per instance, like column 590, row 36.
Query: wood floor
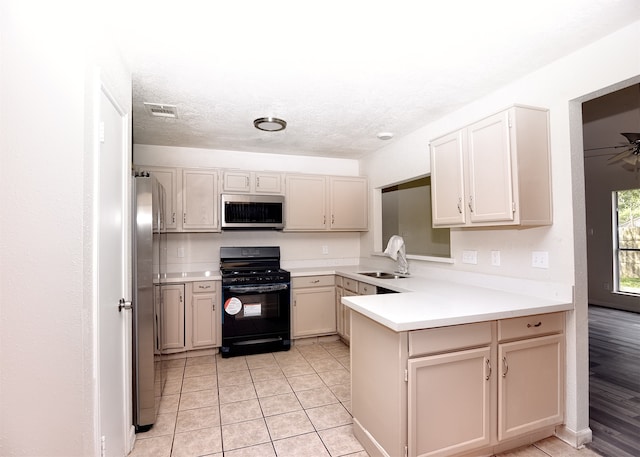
column 614, row 387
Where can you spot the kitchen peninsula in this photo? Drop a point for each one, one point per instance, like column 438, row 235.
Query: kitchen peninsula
column 455, row 369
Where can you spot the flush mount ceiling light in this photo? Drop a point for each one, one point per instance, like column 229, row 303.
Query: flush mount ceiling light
column 270, row 124
column 385, row 135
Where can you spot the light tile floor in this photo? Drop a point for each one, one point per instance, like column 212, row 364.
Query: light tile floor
column 287, row 404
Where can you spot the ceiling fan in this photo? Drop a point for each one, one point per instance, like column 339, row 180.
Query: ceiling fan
column 631, row 154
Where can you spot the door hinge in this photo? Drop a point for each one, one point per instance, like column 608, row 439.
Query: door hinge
column 513, row 207
column 406, row 375
column 406, row 451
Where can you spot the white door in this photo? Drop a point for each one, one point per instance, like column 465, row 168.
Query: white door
column 112, row 388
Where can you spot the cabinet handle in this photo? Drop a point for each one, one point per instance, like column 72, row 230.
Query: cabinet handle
column 294, row 302
column 534, row 325
column 489, row 367
column 184, row 218
column 506, row 367
column 333, row 219
column 315, row 281
column 471, row 203
column 173, row 218
column 460, row 205
column 247, row 181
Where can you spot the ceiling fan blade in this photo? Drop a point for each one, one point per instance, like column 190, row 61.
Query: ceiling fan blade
column 621, row 155
column 631, row 159
column 632, row 137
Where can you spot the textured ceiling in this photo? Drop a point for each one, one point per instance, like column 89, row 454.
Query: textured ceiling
column 338, row 72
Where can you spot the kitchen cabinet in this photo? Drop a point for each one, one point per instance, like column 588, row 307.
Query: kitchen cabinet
column 319, row 203
column 494, row 172
column 204, row 314
column 252, row 182
column 348, row 287
column 531, row 381
column 200, row 200
column 172, row 318
column 314, row 311
column 168, row 177
column 191, row 198
column 471, row 388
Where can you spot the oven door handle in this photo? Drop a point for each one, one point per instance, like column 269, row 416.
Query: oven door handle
column 257, row 289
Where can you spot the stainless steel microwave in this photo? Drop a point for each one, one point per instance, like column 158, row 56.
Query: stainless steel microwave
column 251, row 212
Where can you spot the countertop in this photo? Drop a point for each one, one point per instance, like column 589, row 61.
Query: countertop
column 432, row 302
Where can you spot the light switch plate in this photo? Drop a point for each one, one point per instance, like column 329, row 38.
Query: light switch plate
column 495, row 258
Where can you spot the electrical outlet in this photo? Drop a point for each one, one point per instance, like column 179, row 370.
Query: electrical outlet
column 495, row 258
column 325, row 250
column 470, row 257
column 180, row 253
column 540, row 259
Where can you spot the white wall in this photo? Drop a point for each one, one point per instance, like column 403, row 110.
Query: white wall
column 48, row 403
column 202, row 251
column 604, row 63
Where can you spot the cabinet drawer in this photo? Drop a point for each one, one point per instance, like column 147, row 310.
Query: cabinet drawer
column 366, row 289
column 529, row 326
column 338, row 281
column 203, row 286
column 312, row 281
column 444, row 339
column 350, row 284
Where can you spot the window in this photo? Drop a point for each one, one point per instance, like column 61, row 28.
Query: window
column 626, row 241
column 406, row 211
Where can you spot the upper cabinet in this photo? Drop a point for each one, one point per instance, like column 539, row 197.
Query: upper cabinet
column 191, row 198
column 318, row 203
column 494, row 172
column 200, row 200
column 252, row 182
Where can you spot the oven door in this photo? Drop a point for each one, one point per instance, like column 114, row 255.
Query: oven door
column 255, row 315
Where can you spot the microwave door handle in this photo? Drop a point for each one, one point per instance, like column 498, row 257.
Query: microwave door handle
column 258, row 289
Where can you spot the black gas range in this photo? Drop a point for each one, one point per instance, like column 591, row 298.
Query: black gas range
column 256, row 299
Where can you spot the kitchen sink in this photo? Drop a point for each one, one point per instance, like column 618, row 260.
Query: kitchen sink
column 382, row 274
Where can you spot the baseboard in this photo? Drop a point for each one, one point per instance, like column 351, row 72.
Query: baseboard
column 368, row 442
column 577, row 439
column 131, row 441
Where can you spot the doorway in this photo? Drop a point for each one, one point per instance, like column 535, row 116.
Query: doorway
column 616, row 110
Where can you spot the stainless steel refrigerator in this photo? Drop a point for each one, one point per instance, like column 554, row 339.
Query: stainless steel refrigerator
column 149, row 261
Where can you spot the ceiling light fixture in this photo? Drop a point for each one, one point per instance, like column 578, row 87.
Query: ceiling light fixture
column 385, row 135
column 270, row 124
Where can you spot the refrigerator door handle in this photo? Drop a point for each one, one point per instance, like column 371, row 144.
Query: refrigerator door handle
column 123, row 304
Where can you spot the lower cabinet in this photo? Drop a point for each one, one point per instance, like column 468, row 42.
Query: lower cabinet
column 188, row 316
column 449, row 402
column 459, row 390
column 348, row 287
column 313, row 310
column 172, row 318
column 204, row 316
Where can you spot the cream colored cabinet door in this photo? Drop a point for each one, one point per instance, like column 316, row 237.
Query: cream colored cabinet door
column 200, row 200
column 258, row 182
column 447, row 180
column 305, row 207
column 168, row 177
column 349, row 203
column 172, row 317
column 204, row 319
column 490, row 196
column 530, row 385
column 314, row 311
column 449, row 403
column 236, row 181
